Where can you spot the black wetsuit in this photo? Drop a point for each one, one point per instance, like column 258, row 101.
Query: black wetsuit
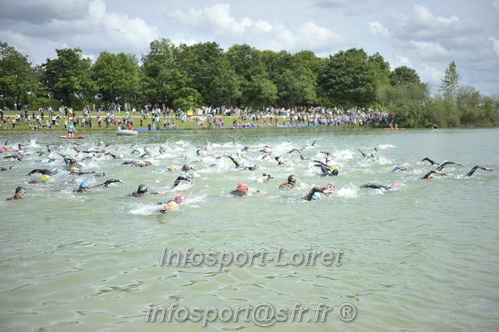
column 41, row 171
column 107, row 183
column 236, row 193
column 474, row 169
column 187, row 177
column 238, row 165
column 376, row 186
column 314, row 190
column 442, row 165
column 430, row 161
column 299, row 150
column 279, row 161
column 326, row 170
column 368, row 155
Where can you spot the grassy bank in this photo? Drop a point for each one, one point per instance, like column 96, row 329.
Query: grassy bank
column 174, row 123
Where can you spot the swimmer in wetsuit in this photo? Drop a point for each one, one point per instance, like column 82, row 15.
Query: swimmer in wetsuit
column 475, row 168
column 172, row 205
column 142, row 190
column 189, row 177
column 280, row 161
column 140, row 163
column 429, row 175
column 86, row 187
column 42, row 171
column 326, row 169
column 266, row 177
column 369, row 156
column 241, row 190
column 44, row 178
column 291, row 183
column 438, row 170
column 314, row 193
column 394, row 185
column 399, row 169
column 440, row 164
column 239, row 166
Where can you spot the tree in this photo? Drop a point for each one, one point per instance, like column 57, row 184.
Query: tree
column 117, row 77
column 450, row 82
column 251, row 76
column 208, row 72
column 381, row 69
column 295, row 77
column 404, row 76
column 161, row 79
column 349, row 78
column 17, row 77
column 68, row 78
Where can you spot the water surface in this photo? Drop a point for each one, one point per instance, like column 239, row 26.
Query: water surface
column 423, row 257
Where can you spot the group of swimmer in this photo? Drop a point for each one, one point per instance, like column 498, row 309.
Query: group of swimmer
column 73, row 166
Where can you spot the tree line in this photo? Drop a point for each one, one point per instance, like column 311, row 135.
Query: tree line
column 188, row 77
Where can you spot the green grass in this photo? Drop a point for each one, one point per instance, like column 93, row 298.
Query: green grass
column 136, row 121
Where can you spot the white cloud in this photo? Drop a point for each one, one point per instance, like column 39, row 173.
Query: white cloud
column 423, row 16
column 430, row 74
column 217, row 23
column 119, row 29
column 97, row 9
column 401, row 61
column 377, row 28
column 495, row 44
column 428, row 49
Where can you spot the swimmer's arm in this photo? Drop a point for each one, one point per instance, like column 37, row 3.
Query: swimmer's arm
column 439, row 168
column 429, row 160
column 233, row 160
column 426, row 175
column 42, row 171
column 319, row 162
column 475, row 168
column 108, row 182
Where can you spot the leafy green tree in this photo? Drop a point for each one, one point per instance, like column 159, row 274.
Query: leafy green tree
column 404, row 76
column 251, row 76
column 381, row 69
column 68, row 78
column 117, row 76
column 408, row 104
column 475, row 109
column 208, row 72
column 295, row 77
column 450, row 82
column 349, row 79
column 160, row 75
column 17, row 76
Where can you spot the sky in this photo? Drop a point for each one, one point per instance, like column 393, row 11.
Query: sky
column 423, row 35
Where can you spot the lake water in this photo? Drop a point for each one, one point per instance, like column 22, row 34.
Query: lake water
column 423, row 257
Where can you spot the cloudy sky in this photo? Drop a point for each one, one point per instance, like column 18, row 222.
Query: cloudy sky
column 421, row 34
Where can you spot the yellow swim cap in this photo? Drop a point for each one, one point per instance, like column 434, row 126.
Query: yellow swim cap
column 45, row 178
column 335, row 167
column 172, row 168
column 74, row 169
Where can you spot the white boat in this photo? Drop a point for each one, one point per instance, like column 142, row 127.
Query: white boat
column 126, row 132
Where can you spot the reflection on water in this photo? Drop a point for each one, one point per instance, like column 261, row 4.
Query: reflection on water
column 421, row 257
